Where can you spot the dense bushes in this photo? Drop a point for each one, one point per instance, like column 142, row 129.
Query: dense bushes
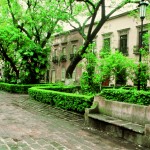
column 62, row 88
column 130, row 96
column 68, row 101
column 14, row 88
column 17, row 88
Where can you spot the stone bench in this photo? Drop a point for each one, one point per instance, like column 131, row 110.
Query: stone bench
column 129, row 121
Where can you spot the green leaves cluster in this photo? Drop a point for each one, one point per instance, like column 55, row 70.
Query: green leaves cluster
column 112, row 64
column 87, row 81
column 26, row 28
column 68, row 101
column 130, row 96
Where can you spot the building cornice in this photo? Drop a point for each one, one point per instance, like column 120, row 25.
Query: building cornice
column 111, row 18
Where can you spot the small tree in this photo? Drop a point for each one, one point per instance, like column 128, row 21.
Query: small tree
column 110, row 65
column 87, row 81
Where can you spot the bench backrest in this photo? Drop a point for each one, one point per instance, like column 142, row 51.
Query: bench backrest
column 131, row 112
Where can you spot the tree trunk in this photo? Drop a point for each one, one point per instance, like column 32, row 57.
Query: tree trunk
column 72, row 66
column 79, row 57
column 76, row 60
column 7, row 58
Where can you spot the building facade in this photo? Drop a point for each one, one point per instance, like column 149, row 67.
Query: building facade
column 64, row 48
column 123, row 33
column 120, row 32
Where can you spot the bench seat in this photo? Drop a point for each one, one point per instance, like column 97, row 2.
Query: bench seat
column 118, row 122
column 128, row 121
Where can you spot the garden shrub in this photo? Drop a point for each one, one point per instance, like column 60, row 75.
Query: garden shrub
column 68, row 101
column 17, row 88
column 129, row 96
column 67, row 89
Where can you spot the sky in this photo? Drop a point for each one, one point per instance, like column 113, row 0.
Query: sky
column 110, row 5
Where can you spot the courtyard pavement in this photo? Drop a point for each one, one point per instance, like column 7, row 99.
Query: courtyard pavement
column 30, row 125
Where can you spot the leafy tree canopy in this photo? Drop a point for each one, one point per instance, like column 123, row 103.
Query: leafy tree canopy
column 26, row 27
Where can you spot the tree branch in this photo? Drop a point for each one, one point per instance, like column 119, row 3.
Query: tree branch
column 93, row 18
column 79, row 29
column 37, row 35
column 87, row 1
column 103, row 20
column 103, row 9
column 11, row 12
column 89, row 9
column 121, row 5
column 7, row 58
column 24, row 30
column 46, row 39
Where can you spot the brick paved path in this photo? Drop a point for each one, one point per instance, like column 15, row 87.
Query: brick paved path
column 30, row 125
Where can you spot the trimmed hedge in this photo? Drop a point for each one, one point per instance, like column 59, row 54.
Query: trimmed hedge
column 17, row 88
column 68, row 101
column 67, row 89
column 129, row 96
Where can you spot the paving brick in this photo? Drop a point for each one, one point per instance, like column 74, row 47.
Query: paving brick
column 36, row 146
column 26, row 124
column 62, row 148
column 42, row 142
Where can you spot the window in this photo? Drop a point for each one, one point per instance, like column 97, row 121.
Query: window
column 145, row 40
column 64, row 51
column 94, row 47
column 74, row 49
column 55, row 57
column 123, row 44
column 63, row 57
column 63, row 71
column 55, row 52
column 53, row 76
column 106, row 44
column 106, row 47
column 72, row 54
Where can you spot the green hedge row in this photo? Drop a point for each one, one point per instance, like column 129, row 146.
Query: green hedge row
column 129, row 96
column 68, row 101
column 67, row 89
column 14, row 88
column 17, row 88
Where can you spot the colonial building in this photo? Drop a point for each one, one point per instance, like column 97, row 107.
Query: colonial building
column 63, row 50
column 121, row 32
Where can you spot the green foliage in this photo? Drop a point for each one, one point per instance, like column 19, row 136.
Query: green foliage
column 113, row 64
column 34, row 63
column 19, row 52
column 130, row 96
column 68, row 101
column 26, row 28
column 9, row 75
column 18, row 88
column 93, row 14
column 88, row 84
column 62, row 88
column 14, row 88
column 108, row 65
